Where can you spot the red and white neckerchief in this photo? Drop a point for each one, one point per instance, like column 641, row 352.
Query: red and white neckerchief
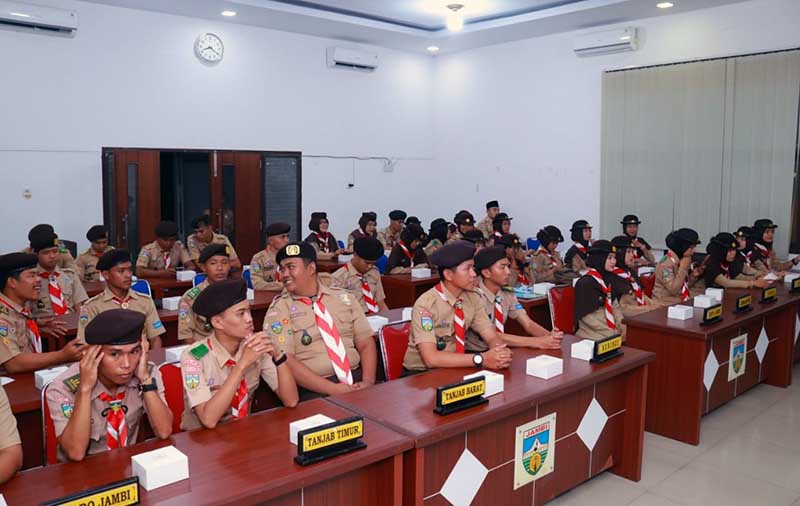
column 612, row 324
column 637, row 290
column 580, row 247
column 685, row 288
column 499, row 319
column 762, row 249
column 167, row 259
column 635, row 250
column 116, row 426
column 458, row 318
column 725, row 270
column 498, row 234
column 240, row 402
column 123, row 303
column 54, row 289
column 323, row 242
column 748, row 257
column 369, row 299
column 333, row 341
column 549, row 255
column 30, row 322
column 406, row 252
column 522, row 278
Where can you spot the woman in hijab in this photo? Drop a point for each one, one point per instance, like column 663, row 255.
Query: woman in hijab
column 674, row 273
column 722, row 269
column 438, row 234
column 408, row 252
column 763, row 253
column 575, row 258
column 597, row 310
column 367, row 226
column 643, row 253
column 744, row 256
column 501, row 225
column 322, row 240
column 547, row 264
column 626, row 281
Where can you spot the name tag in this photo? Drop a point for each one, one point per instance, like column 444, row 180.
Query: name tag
column 769, row 294
column 462, row 395
column 712, row 314
column 795, row 285
column 606, row 349
column 329, row 440
column 119, row 493
column 743, row 303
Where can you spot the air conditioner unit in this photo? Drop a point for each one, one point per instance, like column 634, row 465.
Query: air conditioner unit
column 606, row 42
column 37, row 17
column 353, row 59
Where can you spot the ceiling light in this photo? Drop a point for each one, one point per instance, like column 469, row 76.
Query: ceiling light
column 433, row 49
column 625, row 37
column 20, row 14
column 228, row 14
column 455, row 20
column 665, row 5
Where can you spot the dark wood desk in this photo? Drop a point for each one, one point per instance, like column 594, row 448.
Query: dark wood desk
column 402, row 290
column 686, row 352
column 488, row 431
column 538, row 310
column 244, row 462
column 329, row 265
column 161, row 287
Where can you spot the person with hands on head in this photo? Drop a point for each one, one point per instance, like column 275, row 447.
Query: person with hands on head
column 643, row 252
column 674, row 273
column 98, row 404
column 221, row 373
column 162, row 257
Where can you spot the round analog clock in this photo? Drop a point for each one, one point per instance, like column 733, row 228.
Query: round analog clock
column 208, row 47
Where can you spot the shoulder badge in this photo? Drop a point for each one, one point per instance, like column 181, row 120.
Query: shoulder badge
column 663, row 259
column 199, row 351
column 3, row 310
column 73, row 382
column 193, row 293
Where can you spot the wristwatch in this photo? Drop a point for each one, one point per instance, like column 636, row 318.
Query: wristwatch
column 279, row 361
column 477, row 359
column 149, row 387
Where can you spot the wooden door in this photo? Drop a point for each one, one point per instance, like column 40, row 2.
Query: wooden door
column 133, row 208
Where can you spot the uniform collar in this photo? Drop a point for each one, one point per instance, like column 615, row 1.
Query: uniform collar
column 323, row 290
column 108, row 294
column 450, row 298
column 10, row 303
column 219, row 352
column 40, row 270
column 488, row 293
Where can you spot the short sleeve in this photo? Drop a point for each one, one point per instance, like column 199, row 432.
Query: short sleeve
column 61, row 402
column 195, row 385
column 515, row 311
column 185, row 321
column 380, row 295
column 143, row 260
column 422, row 325
column 79, row 295
column 233, row 254
column 362, row 329
column 155, row 374
column 9, row 435
column 278, row 331
column 9, row 347
column 184, row 254
column 154, row 327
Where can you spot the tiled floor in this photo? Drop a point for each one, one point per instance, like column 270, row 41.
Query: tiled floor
column 749, row 454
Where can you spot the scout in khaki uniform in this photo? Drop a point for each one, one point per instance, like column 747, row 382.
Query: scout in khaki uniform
column 86, row 263
column 204, row 236
column 62, row 292
column 764, row 255
column 221, row 373
column 390, row 235
column 441, row 316
column 521, row 271
column 321, row 239
column 98, row 403
column 264, row 273
column 501, row 225
column 118, row 272
column 575, row 258
column 162, row 257
column 407, row 253
column 500, row 303
column 745, row 243
column 10, row 442
column 547, row 264
column 464, row 222
column 597, row 310
column 65, row 260
column 485, row 225
column 361, row 278
column 216, row 264
column 323, row 329
column 722, row 268
column 438, row 235
column 626, row 282
column 20, row 338
column 644, row 253
column 477, row 239
column 366, row 228
column 674, row 273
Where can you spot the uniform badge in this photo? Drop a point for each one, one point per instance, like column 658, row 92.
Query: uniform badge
column 3, row 310
column 73, row 382
column 281, row 339
column 276, row 327
column 518, row 306
column 199, row 351
column 3, row 331
column 666, row 273
column 268, row 266
column 193, row 293
column 191, row 380
column 424, row 312
column 285, row 321
column 39, row 305
column 255, row 267
column 183, row 314
column 67, row 409
column 157, row 324
column 306, row 339
column 293, row 309
column 124, row 305
column 83, row 319
column 6, row 341
column 427, row 323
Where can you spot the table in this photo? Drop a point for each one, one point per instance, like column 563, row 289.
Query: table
column 690, row 375
column 245, row 462
column 488, row 431
column 161, row 287
column 538, row 310
column 402, row 290
column 329, row 265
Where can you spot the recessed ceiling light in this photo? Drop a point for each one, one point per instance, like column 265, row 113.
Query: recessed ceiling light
column 228, row 14
column 433, row 49
column 665, row 5
column 20, row 14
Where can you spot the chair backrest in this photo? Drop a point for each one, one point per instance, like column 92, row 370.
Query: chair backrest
column 173, row 392
column 562, row 308
column 648, row 283
column 199, row 278
column 142, row 286
column 381, row 263
column 341, row 244
column 71, row 246
column 394, row 342
column 532, row 244
column 49, row 439
column 246, row 275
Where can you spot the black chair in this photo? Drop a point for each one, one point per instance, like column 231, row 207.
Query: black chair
column 72, row 246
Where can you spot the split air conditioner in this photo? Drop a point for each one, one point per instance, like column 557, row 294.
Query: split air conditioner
column 606, row 42
column 37, row 17
column 353, row 59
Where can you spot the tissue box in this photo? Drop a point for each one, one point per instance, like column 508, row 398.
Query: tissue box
column 185, row 275
column 251, row 294
column 544, row 366
column 645, row 270
column 680, row 312
column 170, row 303
column 406, row 313
column 715, row 293
column 582, row 350
column 377, row 322
column 494, row 381
column 542, row 288
column 704, row 301
column 420, row 272
column 790, row 277
column 173, row 353
column 343, row 259
column 44, row 376
column 160, row 467
column 306, row 423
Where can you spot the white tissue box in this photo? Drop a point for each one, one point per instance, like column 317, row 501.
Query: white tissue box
column 306, row 423
column 544, row 366
column 582, row 350
column 377, row 322
column 420, row 272
column 645, row 270
column 160, row 467
column 171, row 303
column 680, row 312
column 173, row 353
column 575, row 281
column 771, row 276
column 494, row 381
column 343, row 259
column 704, row 301
column 790, row 277
column 251, row 294
column 715, row 293
column 406, row 313
column 185, row 275
column 542, row 288
column 44, row 376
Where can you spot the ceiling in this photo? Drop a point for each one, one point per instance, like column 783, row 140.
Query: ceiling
column 413, row 25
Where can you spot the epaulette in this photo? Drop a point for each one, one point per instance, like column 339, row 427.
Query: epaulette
column 193, row 293
column 73, row 382
column 199, row 351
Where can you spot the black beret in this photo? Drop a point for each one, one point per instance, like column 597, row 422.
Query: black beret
column 319, row 215
column 368, row 248
column 413, row 219
column 681, row 240
column 397, row 214
column 464, row 218
column 602, row 247
column 44, row 239
column 112, row 258
column 315, row 220
column 167, row 229
column 474, row 236
column 453, row 254
column 580, row 225
column 201, row 221
column 491, row 204
column 726, row 240
column 278, row 229
column 549, row 234
column 509, row 241
column 622, row 242
column 413, row 232
column 214, row 250
column 501, row 217
column 487, row 257
column 438, row 222
column 97, row 233
column 17, row 262
column 369, row 216
column 764, row 223
column 744, row 232
column 689, row 235
column 630, row 219
column 115, row 326
column 38, row 228
column 297, row 250
column 217, row 297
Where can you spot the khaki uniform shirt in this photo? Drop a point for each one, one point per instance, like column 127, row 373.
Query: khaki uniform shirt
column 777, row 264
column 293, row 328
column 485, row 226
column 512, row 309
column 135, row 301
column 432, row 320
column 153, row 257
column 542, row 263
column 61, row 395
column 196, row 246
column 204, row 372
column 593, row 325
column 71, row 289
column 9, row 435
column 264, row 272
column 65, row 260
column 15, row 338
column 529, row 271
column 191, row 326
column 388, row 238
column 348, row 278
column 86, row 264
column 669, row 281
column 433, row 245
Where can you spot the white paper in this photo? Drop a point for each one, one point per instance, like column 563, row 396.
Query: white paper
column 771, row 276
column 3, row 500
column 5, row 381
column 465, row 480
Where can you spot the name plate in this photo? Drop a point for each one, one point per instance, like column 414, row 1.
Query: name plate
column 461, row 395
column 119, row 493
column 743, row 303
column 795, row 285
column 712, row 315
column 329, row 440
column 607, row 348
column 769, row 294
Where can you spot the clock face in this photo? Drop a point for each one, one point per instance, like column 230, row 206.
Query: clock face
column 208, row 47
